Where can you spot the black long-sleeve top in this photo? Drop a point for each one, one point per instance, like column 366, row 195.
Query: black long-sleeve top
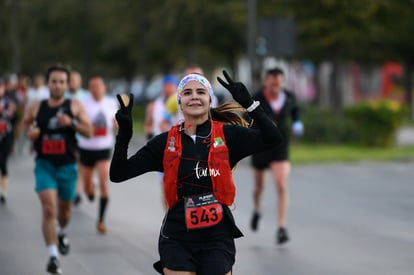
column 290, row 109
column 241, row 142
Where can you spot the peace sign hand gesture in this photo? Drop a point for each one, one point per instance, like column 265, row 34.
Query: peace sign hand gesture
column 237, row 90
column 124, row 116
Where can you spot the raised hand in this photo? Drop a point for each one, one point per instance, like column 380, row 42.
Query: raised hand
column 238, row 91
column 124, row 116
column 297, row 128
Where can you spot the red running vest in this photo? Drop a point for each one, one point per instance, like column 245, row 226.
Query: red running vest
column 218, row 160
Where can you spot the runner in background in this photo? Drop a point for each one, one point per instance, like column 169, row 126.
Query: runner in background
column 51, row 125
column 22, row 88
column 95, row 152
column 155, row 112
column 76, row 91
column 38, row 91
column 280, row 105
column 11, row 81
column 7, row 113
column 157, row 119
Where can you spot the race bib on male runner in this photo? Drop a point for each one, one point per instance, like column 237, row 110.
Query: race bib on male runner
column 99, row 125
column 202, row 211
column 53, row 145
column 99, row 132
column 3, row 127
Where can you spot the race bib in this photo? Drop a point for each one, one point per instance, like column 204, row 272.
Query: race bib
column 202, row 211
column 99, row 132
column 3, row 127
column 53, row 146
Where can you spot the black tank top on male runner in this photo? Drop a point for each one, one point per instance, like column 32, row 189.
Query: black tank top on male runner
column 56, row 143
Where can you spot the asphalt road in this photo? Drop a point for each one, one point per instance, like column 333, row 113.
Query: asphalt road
column 343, row 219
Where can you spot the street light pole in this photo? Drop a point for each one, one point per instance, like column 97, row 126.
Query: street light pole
column 251, row 41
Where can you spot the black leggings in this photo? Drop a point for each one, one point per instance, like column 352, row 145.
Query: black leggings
column 5, row 147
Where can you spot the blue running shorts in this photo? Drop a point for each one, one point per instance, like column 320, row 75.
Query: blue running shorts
column 60, row 178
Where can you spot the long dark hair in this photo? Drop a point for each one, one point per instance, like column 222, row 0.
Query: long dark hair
column 231, row 113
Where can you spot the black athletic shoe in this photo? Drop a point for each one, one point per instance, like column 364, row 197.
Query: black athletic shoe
column 63, row 244
column 53, row 266
column 254, row 224
column 77, row 200
column 2, row 199
column 282, row 235
column 158, row 267
column 91, row 197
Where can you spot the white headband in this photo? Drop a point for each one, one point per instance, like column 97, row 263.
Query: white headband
column 194, row 77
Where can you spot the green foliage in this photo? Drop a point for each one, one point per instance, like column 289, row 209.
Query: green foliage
column 138, row 115
column 311, row 153
column 377, row 121
column 120, row 38
column 370, row 31
column 369, row 123
column 326, row 28
column 323, row 126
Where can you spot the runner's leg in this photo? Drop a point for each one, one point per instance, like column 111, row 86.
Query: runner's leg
column 280, row 172
column 103, row 171
column 87, row 173
column 48, row 199
column 259, row 184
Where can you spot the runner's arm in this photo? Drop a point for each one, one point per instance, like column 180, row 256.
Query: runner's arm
column 148, row 158
column 297, row 125
column 295, row 112
column 247, row 141
column 28, row 120
column 80, row 122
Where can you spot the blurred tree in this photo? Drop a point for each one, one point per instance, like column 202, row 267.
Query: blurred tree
column 189, row 32
column 398, row 21
column 331, row 30
column 47, row 33
column 371, row 31
column 4, row 63
column 9, row 32
column 123, row 38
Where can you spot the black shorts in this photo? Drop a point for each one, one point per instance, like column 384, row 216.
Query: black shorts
column 89, row 158
column 262, row 160
column 203, row 258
